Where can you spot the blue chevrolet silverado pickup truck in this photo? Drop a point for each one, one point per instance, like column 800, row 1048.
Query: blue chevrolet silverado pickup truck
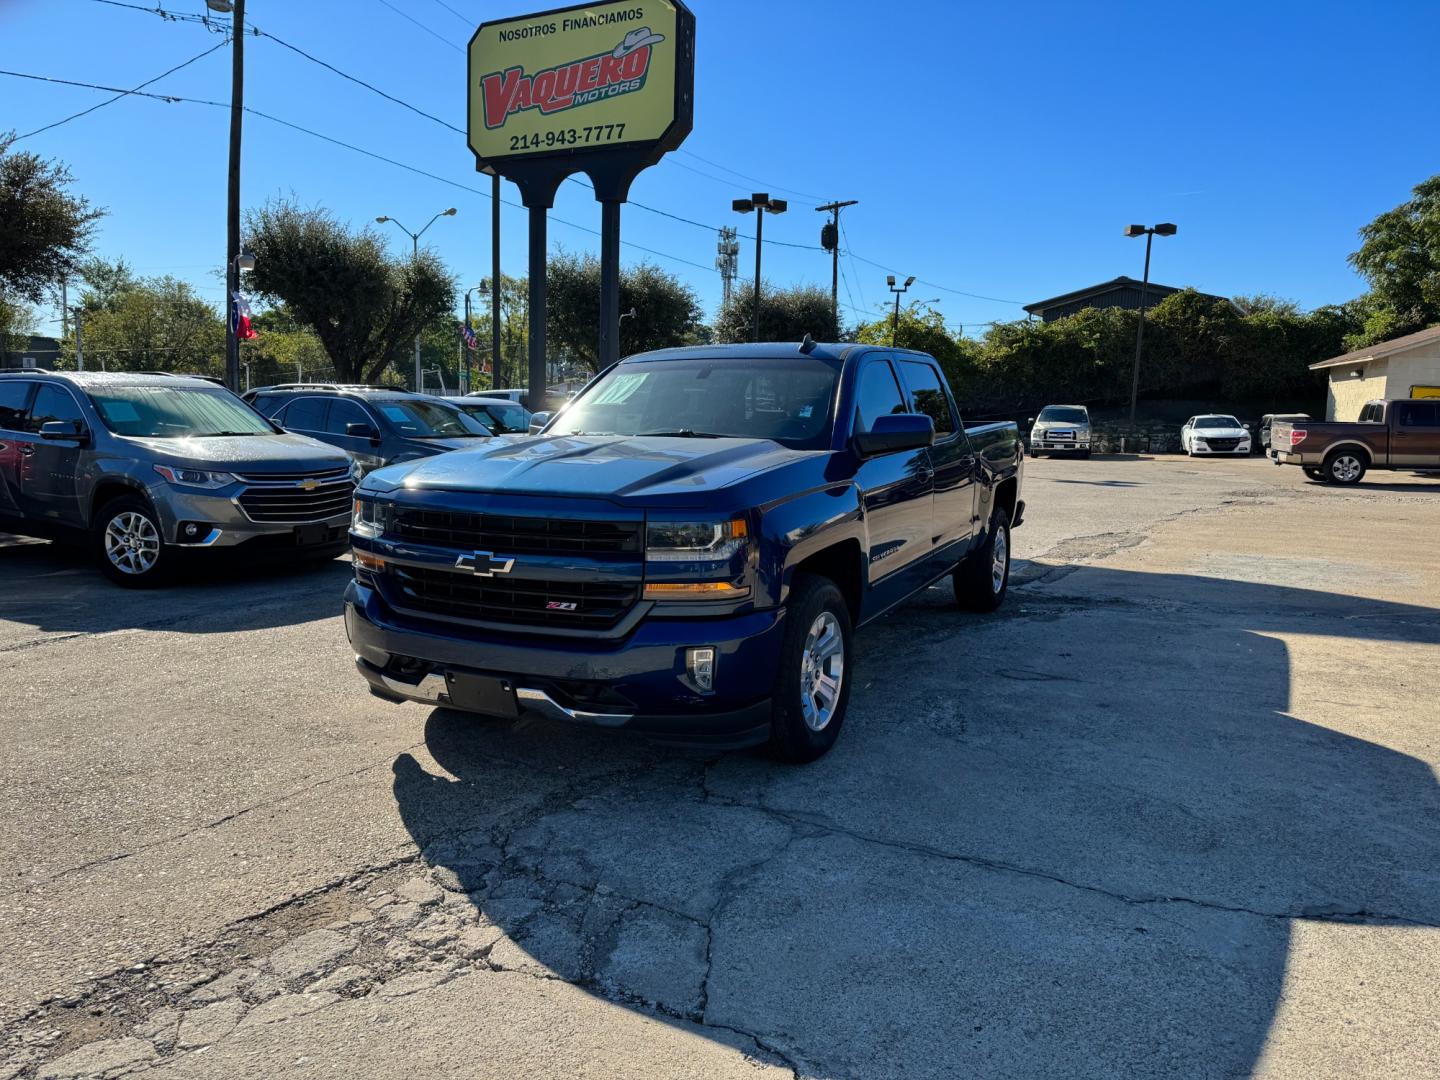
column 686, row 550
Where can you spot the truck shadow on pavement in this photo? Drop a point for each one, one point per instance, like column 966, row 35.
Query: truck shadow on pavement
column 1075, row 839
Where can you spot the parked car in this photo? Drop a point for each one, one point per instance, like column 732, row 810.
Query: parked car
column 139, row 466
column 1061, row 428
column 517, row 395
column 376, row 426
column 1216, row 433
column 554, row 399
column 500, row 415
column 685, row 551
column 1390, row 434
column 1266, row 423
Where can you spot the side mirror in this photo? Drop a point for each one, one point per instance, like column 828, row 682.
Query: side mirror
column 897, row 431
column 1029, row 421
column 65, row 429
column 363, row 431
column 1245, row 426
column 538, row 421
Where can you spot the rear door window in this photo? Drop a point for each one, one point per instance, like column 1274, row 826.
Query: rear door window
column 306, row 414
column 14, row 393
column 1417, row 414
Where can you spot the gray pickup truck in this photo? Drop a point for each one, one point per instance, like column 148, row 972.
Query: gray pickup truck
column 140, row 467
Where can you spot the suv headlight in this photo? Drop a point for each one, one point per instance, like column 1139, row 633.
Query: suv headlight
column 196, row 478
column 706, row 560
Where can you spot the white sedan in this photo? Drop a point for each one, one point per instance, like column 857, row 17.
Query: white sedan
column 1215, row 434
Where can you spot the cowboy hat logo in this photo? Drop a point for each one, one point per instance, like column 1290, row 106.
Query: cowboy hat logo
column 636, row 39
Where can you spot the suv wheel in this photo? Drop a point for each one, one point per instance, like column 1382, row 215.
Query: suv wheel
column 812, row 687
column 1344, row 467
column 983, row 579
column 129, row 545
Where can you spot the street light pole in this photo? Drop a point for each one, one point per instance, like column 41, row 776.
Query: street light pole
column 414, row 260
column 901, row 291
column 1163, row 229
column 759, row 202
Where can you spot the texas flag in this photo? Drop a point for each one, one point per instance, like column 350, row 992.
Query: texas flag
column 240, row 318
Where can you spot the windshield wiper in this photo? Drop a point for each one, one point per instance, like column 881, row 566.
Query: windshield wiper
column 682, row 433
column 225, row 434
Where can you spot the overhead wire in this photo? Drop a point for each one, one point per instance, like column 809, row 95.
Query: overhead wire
column 433, row 33
column 122, row 94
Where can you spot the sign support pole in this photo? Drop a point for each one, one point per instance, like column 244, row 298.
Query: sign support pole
column 495, row 281
column 609, row 282
column 536, row 394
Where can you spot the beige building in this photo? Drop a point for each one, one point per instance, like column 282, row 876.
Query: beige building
column 1403, row 367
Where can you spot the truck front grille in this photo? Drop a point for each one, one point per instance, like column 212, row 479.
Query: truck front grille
column 511, row 535
column 592, row 605
column 297, row 503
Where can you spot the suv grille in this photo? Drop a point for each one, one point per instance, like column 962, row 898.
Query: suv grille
column 292, row 504
column 598, row 605
column 295, row 477
column 507, row 535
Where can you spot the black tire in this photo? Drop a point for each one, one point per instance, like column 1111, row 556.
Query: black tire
column 794, row 734
column 128, row 544
column 1345, row 466
column 978, row 586
column 1314, row 473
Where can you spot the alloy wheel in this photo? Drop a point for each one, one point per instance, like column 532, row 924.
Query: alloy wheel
column 822, row 669
column 132, row 543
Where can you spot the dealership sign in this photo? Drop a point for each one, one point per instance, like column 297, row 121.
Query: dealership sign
column 582, row 81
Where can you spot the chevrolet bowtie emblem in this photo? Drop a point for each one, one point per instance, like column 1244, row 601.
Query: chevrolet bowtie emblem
column 484, row 563
column 309, row 485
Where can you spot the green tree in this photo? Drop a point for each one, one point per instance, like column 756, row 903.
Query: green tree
column 44, row 229
column 666, row 310
column 364, row 305
column 17, row 323
column 1400, row 257
column 926, row 331
column 148, row 324
column 785, row 315
column 283, row 350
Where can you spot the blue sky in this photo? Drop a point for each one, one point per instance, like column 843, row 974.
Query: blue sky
column 996, row 149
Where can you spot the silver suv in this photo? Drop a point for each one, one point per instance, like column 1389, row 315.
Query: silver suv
column 139, row 466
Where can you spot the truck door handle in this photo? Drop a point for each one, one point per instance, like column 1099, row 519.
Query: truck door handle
column 26, row 451
column 924, row 475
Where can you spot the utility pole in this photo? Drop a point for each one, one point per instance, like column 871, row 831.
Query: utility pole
column 79, row 340
column 232, row 205
column 830, row 241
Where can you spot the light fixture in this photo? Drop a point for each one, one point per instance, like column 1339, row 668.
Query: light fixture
column 245, row 260
column 224, row 7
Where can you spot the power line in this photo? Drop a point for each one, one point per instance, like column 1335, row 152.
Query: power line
column 752, row 179
column 422, row 26
column 123, row 93
column 463, row 18
column 216, row 26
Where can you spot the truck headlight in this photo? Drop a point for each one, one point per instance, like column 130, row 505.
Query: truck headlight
column 195, row 478
column 703, row 559
column 366, row 519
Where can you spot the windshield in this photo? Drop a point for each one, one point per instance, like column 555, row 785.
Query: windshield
column 175, row 412
column 1216, row 422
column 430, row 420
column 1061, row 414
column 502, row 417
column 788, row 400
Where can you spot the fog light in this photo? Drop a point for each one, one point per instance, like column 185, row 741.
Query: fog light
column 192, row 529
column 700, row 667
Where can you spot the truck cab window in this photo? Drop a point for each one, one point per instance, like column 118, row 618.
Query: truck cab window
column 876, row 394
column 929, row 396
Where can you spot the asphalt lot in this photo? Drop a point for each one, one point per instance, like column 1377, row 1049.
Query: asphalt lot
column 1172, row 812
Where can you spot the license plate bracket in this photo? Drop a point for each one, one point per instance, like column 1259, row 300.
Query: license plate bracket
column 482, row 693
column 310, row 535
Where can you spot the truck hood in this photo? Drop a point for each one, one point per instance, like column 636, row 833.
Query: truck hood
column 258, row 453
column 617, row 466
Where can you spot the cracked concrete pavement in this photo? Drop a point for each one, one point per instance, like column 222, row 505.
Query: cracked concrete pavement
column 1172, row 812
